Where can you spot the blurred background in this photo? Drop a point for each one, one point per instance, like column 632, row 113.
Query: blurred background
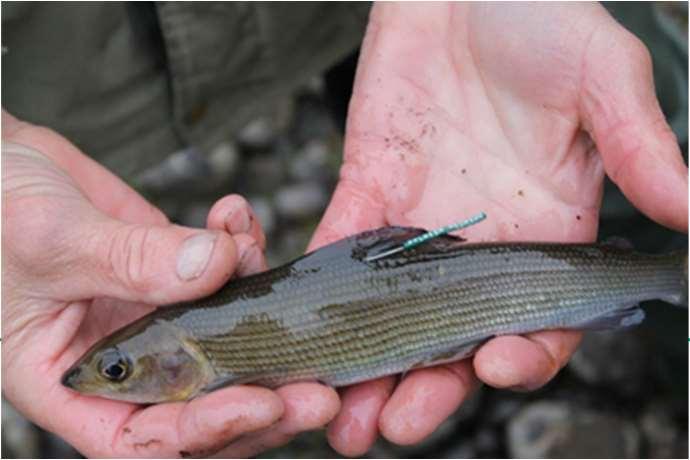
column 623, row 395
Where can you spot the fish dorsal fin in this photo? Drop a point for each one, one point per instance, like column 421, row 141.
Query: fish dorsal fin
column 372, row 242
column 387, row 238
column 360, row 245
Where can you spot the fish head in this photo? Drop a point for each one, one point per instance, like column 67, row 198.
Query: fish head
column 146, row 362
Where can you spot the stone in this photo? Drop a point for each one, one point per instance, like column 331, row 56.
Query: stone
column 302, row 200
column 555, row 429
column 661, row 433
column 593, row 361
column 224, row 159
column 258, row 134
column 181, row 167
column 311, row 161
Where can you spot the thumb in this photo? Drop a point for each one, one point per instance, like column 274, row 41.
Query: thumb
column 621, row 112
column 154, row 264
column 58, row 245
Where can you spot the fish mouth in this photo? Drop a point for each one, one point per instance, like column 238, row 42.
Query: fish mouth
column 70, row 378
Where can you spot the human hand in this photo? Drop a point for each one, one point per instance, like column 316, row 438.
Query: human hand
column 75, row 239
column 512, row 109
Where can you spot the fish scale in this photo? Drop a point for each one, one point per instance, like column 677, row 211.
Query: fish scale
column 345, row 313
column 481, row 294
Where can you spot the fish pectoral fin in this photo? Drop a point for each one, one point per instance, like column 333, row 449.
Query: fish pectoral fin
column 450, row 355
column 254, row 379
column 617, row 319
column 226, row 381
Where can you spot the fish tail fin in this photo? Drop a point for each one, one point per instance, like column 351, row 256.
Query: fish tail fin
column 679, row 298
column 684, row 282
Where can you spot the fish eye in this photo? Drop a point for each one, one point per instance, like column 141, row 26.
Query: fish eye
column 113, row 366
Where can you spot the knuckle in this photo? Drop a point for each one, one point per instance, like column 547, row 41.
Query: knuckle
column 462, row 374
column 128, row 257
column 236, row 198
column 638, row 55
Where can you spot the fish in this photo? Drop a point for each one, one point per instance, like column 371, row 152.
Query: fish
column 340, row 315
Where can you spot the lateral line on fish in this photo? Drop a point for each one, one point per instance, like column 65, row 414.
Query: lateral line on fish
column 417, row 240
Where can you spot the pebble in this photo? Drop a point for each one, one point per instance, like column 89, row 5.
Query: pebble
column 315, row 85
column 301, row 200
column 180, row 167
column 258, row 134
column 661, row 432
column 311, row 161
column 593, row 361
column 224, row 159
column 555, row 429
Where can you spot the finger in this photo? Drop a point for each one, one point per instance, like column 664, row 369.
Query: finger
column 139, row 263
column 71, row 250
column 158, row 265
column 353, row 209
column 251, row 258
column 308, row 406
column 200, row 427
column 355, row 429
column 525, row 363
column 105, row 190
column 621, row 112
column 235, row 215
column 424, row 399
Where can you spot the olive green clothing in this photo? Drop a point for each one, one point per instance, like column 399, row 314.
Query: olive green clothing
column 130, row 83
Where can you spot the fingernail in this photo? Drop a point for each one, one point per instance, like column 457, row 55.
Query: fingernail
column 194, row 254
column 238, row 221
